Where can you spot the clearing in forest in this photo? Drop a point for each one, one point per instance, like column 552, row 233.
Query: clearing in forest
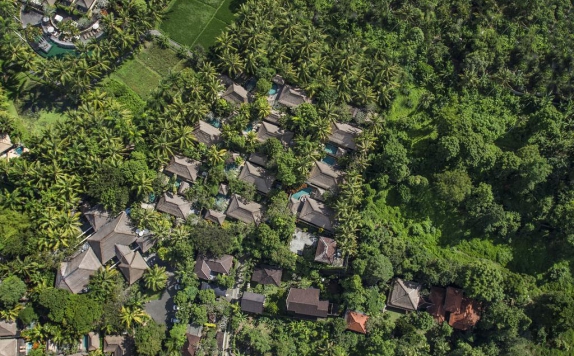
column 143, row 73
column 191, row 22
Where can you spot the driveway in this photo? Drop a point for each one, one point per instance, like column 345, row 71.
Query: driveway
column 161, row 310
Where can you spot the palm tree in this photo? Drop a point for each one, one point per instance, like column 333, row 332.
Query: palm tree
column 143, row 185
column 231, row 63
column 130, row 316
column 215, row 156
column 184, row 137
column 155, row 278
column 103, row 282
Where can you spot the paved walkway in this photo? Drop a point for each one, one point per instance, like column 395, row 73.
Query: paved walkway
column 161, row 310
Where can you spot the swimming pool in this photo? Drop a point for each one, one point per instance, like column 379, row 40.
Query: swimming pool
column 248, row 129
column 273, row 90
column 330, row 160
column 302, row 192
column 331, row 149
column 215, row 123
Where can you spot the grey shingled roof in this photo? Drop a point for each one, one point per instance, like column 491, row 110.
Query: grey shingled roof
column 243, row 210
column 185, row 168
column 93, row 341
column 236, row 94
column 215, row 216
column 292, row 97
column 274, row 117
column 8, row 328
column 174, row 205
column 326, row 249
column 259, row 159
column 206, row 133
column 132, row 264
column 306, row 302
column 314, row 212
column 5, row 143
column 344, row 135
column 405, row 295
column 97, row 217
column 268, row 130
column 324, row 176
column 117, row 232
column 252, row 302
column 267, row 275
column 205, row 267
column 119, row 345
column 74, row 275
column 257, row 176
column 9, row 347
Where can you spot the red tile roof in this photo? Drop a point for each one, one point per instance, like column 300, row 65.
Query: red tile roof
column 436, row 309
column 356, row 322
column 453, row 300
column 468, row 316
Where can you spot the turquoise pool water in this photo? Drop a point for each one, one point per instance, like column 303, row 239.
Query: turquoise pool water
column 29, row 346
column 273, row 89
column 331, row 149
column 215, row 123
column 331, row 161
column 19, row 150
column 86, row 342
column 302, row 192
column 249, row 128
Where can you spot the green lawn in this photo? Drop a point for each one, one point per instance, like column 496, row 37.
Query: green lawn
column 138, row 77
column 37, row 122
column 158, row 59
column 191, row 22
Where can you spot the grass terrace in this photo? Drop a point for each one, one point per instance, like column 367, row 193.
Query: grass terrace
column 191, row 22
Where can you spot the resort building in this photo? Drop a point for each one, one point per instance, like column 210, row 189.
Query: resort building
column 267, row 275
column 184, row 168
column 292, row 97
column 324, row 176
column 214, row 216
column 344, row 135
column 208, row 268
column 268, row 130
column 356, row 321
column 252, row 303
column 305, row 302
column 174, row 205
column 207, row 134
column 243, row 210
column 236, row 94
column 257, row 176
column 404, row 295
column 74, row 274
column 313, row 212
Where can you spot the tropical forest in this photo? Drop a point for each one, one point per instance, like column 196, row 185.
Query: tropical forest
column 286, row 177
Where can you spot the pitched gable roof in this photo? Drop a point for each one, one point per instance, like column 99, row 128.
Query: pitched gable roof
column 8, row 328
column 93, row 341
column 268, row 130
column 436, row 307
column 326, row 249
column 259, row 159
column 292, row 97
column 274, row 117
column 5, row 143
column 356, row 321
column 97, row 217
column 215, row 216
column 206, row 267
column 315, row 213
column 236, row 94
column 74, row 275
column 252, row 302
column 257, row 176
column 118, row 345
column 117, row 232
column 468, row 316
column 344, row 135
column 9, row 347
column 306, row 302
column 185, row 168
column 324, row 176
column 132, row 264
column 174, row 205
column 191, row 344
column 405, row 295
column 243, row 210
column 267, row 275
column 206, row 133
column 453, row 300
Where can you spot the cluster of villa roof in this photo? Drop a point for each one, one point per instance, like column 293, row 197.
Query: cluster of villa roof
column 113, row 239
column 448, row 304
